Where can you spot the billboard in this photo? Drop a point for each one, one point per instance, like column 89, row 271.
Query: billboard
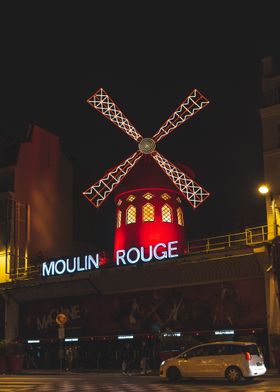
column 229, row 305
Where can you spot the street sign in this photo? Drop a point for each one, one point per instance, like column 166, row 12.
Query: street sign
column 61, row 319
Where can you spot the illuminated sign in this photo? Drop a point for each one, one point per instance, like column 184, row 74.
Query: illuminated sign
column 225, row 332
column 159, row 252
column 71, row 339
column 133, row 255
column 61, row 266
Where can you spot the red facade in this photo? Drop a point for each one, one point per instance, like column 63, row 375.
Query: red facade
column 149, row 209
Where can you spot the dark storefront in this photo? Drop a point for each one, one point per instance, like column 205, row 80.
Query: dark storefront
column 195, row 312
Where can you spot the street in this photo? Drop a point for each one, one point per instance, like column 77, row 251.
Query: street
column 119, row 383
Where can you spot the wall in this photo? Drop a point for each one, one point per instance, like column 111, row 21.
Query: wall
column 43, row 179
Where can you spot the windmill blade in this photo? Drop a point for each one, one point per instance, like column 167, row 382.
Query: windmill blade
column 101, row 189
column 193, row 192
column 102, row 102
column 189, row 107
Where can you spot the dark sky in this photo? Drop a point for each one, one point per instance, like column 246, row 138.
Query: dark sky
column 52, row 63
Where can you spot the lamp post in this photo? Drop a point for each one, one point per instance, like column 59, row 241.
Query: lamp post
column 265, row 190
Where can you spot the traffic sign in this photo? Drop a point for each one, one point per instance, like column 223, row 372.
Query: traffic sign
column 61, row 319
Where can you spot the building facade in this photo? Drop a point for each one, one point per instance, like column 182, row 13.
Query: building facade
column 202, row 294
column 270, row 117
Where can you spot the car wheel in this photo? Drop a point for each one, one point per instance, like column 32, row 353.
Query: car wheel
column 173, row 374
column 233, row 374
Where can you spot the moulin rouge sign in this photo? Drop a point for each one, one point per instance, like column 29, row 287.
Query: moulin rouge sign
column 134, row 255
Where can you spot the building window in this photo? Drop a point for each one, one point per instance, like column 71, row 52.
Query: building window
column 165, row 196
column 148, row 196
column 166, row 213
column 148, row 213
column 131, row 198
column 180, row 216
column 119, row 218
column 130, row 215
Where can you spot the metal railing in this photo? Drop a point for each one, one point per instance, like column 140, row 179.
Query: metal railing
column 250, row 237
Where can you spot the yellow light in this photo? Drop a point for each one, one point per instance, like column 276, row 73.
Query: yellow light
column 264, row 189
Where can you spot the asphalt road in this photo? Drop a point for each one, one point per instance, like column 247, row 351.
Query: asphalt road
column 119, row 383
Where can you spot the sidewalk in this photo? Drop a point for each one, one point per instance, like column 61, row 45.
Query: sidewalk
column 113, row 372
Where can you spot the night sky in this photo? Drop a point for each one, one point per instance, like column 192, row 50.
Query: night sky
column 50, row 66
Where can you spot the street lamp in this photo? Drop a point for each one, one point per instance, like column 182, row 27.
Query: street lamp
column 265, row 190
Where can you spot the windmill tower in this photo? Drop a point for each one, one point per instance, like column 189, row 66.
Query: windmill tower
column 148, row 205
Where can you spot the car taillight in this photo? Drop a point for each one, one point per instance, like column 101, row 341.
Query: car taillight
column 247, row 356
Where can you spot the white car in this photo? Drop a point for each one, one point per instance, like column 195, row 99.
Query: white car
column 232, row 360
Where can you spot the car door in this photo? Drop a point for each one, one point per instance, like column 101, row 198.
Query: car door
column 208, row 363
column 191, row 362
column 214, row 364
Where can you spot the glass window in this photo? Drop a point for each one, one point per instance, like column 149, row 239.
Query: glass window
column 166, row 213
column 148, row 213
column 180, row 216
column 197, row 352
column 131, row 198
column 119, row 218
column 165, row 196
column 217, row 349
column 130, row 215
column 148, row 196
column 236, row 349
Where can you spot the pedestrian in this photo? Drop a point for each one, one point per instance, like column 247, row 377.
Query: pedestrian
column 69, row 357
column 127, row 359
column 30, row 361
column 145, row 358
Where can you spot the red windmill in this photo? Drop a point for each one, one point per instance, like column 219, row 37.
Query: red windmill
column 157, row 203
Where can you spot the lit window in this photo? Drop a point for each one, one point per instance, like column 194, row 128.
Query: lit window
column 119, row 218
column 119, row 202
column 178, row 199
column 131, row 198
column 165, row 196
column 148, row 213
column 130, row 215
column 180, row 216
column 148, row 196
column 166, row 213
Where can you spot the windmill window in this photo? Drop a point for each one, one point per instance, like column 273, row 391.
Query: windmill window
column 166, row 213
column 148, row 213
column 119, row 218
column 131, row 198
column 165, row 196
column 130, row 215
column 180, row 216
column 119, row 202
column 178, row 199
column 148, row 196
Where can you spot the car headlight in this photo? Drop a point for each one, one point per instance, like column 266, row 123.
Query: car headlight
column 162, row 363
